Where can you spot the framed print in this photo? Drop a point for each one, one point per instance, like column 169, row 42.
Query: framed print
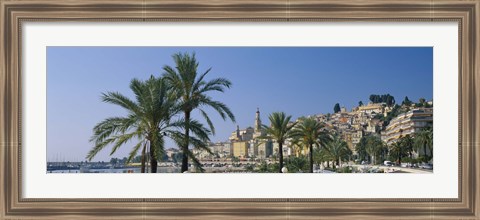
column 233, row 109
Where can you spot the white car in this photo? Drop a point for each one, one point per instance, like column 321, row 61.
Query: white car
column 426, row 166
column 388, row 163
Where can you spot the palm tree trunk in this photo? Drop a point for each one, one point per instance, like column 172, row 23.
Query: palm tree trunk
column 186, row 143
column 143, row 158
column 280, row 148
column 153, row 160
column 311, row 158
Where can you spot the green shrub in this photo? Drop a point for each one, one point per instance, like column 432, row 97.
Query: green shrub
column 346, row 169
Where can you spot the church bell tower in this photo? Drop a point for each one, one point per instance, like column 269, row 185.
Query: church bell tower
column 258, row 122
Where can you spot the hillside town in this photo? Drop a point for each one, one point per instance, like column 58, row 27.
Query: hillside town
column 385, row 120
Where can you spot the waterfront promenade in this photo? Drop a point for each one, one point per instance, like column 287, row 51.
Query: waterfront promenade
column 217, row 167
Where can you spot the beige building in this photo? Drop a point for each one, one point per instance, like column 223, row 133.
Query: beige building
column 373, row 126
column 202, row 154
column 222, row 149
column 347, row 137
column 356, row 136
column 242, row 135
column 256, row 147
column 407, row 124
column 371, row 108
column 352, row 138
column 360, row 119
column 321, row 118
column 264, row 150
column 240, row 149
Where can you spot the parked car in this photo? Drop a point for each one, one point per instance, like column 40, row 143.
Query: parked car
column 408, row 165
column 388, row 163
column 426, row 166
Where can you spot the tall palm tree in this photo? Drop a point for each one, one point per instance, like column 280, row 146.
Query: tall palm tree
column 309, row 133
column 424, row 140
column 338, row 149
column 408, row 144
column 279, row 130
column 360, row 148
column 147, row 121
column 374, row 147
column 383, row 152
column 397, row 151
column 192, row 93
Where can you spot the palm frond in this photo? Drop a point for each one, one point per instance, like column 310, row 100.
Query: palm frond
column 195, row 161
column 199, row 144
column 209, row 122
column 121, row 140
column 199, row 130
column 111, row 126
column 159, row 149
column 134, row 151
column 120, row 100
column 199, row 82
column 98, row 147
column 218, row 84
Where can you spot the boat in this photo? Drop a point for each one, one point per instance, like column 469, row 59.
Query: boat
column 84, row 169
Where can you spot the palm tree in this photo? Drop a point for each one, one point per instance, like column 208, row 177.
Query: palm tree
column 147, row 120
column 279, row 130
column 338, row 149
column 309, row 133
column 383, row 152
column 191, row 89
column 321, row 155
column 424, row 140
column 397, row 151
column 360, row 148
column 374, row 147
column 324, row 138
column 407, row 142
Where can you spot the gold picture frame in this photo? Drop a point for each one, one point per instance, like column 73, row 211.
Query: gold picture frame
column 14, row 12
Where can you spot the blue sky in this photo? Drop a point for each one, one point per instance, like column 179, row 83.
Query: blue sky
column 297, row 80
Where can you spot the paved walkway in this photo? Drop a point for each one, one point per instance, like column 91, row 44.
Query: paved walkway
column 402, row 169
